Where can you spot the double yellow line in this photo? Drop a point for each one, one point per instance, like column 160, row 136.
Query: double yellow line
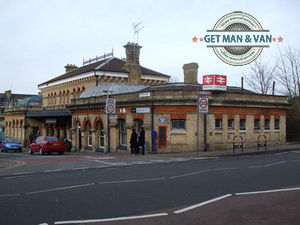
column 10, row 164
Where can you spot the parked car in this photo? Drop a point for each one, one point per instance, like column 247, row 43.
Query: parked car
column 11, row 144
column 47, row 144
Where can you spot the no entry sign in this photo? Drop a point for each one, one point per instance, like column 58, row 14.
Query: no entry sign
column 203, row 105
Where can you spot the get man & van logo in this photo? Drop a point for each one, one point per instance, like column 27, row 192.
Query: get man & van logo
column 237, row 38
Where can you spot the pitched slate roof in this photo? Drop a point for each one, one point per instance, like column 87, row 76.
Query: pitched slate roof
column 112, row 64
column 115, row 88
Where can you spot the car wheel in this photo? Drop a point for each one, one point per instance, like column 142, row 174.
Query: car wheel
column 41, row 151
column 49, row 153
column 30, row 151
column 61, row 153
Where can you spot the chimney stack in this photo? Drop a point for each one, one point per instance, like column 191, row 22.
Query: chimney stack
column 190, row 71
column 133, row 63
column 70, row 67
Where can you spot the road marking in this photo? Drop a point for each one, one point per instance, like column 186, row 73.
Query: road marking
column 16, row 164
column 232, row 168
column 268, row 191
column 81, row 168
column 49, row 171
column 188, row 174
column 273, row 164
column 58, row 189
column 112, row 219
column 202, row 203
column 9, row 195
column 130, row 181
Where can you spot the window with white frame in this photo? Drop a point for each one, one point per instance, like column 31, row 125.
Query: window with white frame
column 256, row 124
column 267, row 124
column 218, row 124
column 100, row 135
column 276, row 124
column 242, row 124
column 89, row 134
column 178, row 125
column 123, row 132
column 231, row 124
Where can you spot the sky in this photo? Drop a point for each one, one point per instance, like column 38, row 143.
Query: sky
column 39, row 37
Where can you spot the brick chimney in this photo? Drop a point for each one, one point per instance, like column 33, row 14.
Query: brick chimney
column 190, row 71
column 133, row 63
column 70, row 67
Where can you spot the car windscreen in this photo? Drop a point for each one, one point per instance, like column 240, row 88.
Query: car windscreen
column 15, row 141
column 51, row 139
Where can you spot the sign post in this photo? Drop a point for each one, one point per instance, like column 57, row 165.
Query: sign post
column 202, row 108
column 110, row 108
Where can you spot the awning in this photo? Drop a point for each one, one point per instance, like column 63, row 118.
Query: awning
column 49, row 113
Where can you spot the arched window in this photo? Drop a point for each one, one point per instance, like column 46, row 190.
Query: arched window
column 100, row 135
column 89, row 134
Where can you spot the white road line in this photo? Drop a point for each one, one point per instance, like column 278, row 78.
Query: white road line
column 25, row 173
column 232, row 168
column 49, row 171
column 268, row 191
column 9, row 195
column 111, row 219
column 273, row 164
column 188, row 174
column 58, row 189
column 81, row 168
column 202, row 203
column 130, row 181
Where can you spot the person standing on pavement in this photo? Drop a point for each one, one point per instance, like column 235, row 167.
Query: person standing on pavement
column 30, row 137
column 142, row 139
column 133, row 142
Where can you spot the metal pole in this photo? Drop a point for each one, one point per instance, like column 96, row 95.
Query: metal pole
column 197, row 121
column 204, row 132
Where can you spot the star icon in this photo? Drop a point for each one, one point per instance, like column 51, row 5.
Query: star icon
column 194, row 39
column 280, row 39
column 201, row 39
column 274, row 39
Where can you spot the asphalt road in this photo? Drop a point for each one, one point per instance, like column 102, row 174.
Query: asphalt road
column 88, row 196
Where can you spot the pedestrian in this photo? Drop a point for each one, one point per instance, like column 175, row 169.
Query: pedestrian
column 142, row 139
column 30, row 137
column 133, row 142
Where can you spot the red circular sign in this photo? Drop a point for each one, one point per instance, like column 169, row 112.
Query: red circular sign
column 203, row 103
column 110, row 108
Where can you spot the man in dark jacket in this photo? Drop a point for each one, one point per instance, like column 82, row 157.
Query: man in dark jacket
column 133, row 142
column 142, row 139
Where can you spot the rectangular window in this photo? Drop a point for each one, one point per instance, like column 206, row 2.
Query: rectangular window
column 231, row 124
column 256, row 124
column 276, row 125
column 89, row 135
column 100, row 135
column 218, row 124
column 123, row 133
column 267, row 124
column 242, row 124
column 178, row 125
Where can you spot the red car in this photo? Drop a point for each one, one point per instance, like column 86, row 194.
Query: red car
column 47, row 144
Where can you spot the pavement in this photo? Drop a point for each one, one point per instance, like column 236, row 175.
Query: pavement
column 24, row 164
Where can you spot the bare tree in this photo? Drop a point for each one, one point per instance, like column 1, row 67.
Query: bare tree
column 260, row 76
column 288, row 71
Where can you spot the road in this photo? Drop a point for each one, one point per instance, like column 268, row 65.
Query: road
column 138, row 188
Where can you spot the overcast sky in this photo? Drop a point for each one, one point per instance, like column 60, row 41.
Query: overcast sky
column 39, row 37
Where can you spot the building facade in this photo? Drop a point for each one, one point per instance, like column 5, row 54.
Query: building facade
column 52, row 117
column 168, row 113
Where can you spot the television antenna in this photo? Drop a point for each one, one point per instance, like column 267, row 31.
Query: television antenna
column 136, row 31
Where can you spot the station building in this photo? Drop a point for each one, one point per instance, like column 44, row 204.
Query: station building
column 73, row 106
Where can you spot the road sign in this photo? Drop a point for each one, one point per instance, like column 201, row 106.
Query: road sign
column 110, row 106
column 203, row 105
